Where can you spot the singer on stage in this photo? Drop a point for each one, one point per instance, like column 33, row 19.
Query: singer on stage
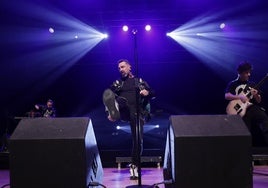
column 127, row 96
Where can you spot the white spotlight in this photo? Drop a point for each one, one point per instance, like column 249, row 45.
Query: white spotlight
column 222, row 25
column 104, row 36
column 51, row 30
column 171, row 34
column 147, row 27
column 118, row 127
column 125, row 28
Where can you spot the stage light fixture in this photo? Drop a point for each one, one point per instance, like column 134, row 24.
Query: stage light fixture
column 148, row 28
column 222, row 26
column 104, row 36
column 125, row 28
column 172, row 34
column 51, row 30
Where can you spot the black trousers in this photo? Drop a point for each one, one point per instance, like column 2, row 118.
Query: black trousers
column 256, row 116
column 129, row 113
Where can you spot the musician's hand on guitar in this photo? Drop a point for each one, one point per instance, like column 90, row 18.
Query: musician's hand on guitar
column 243, row 98
column 253, row 91
column 255, row 94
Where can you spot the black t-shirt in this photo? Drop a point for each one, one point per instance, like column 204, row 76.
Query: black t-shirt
column 47, row 112
column 237, row 86
column 127, row 88
column 128, row 91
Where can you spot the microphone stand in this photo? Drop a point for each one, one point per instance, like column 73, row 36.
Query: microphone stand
column 138, row 124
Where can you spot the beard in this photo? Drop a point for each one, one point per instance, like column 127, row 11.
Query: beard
column 123, row 74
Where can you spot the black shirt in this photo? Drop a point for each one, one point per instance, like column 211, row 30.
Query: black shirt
column 237, row 86
column 127, row 87
column 128, row 90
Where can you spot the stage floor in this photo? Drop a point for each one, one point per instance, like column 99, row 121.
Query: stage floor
column 119, row 178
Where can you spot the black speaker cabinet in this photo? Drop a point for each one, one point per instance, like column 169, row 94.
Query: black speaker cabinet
column 208, row 151
column 55, row 153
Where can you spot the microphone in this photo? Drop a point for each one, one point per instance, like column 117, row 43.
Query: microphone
column 141, row 84
column 134, row 31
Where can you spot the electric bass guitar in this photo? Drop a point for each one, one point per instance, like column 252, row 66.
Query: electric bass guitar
column 237, row 106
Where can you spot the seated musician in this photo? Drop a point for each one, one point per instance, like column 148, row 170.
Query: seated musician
column 47, row 110
column 244, row 96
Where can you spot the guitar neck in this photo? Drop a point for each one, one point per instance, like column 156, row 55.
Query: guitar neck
column 261, row 82
column 247, row 89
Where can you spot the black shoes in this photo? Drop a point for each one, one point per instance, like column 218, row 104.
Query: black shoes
column 111, row 104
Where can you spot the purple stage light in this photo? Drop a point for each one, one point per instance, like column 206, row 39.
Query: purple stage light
column 147, row 27
column 125, row 28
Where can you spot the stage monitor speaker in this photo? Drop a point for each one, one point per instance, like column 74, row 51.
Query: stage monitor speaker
column 208, row 151
column 54, row 152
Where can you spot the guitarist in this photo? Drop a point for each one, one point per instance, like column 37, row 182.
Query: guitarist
column 242, row 92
